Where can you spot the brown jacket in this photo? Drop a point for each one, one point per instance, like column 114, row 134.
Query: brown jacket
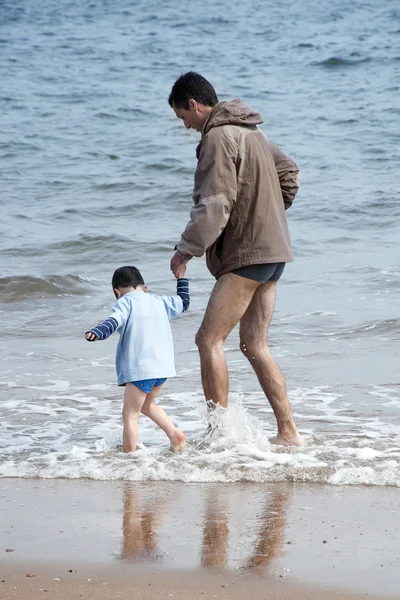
column 242, row 186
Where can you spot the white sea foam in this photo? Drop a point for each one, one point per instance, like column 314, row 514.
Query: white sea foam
column 72, row 434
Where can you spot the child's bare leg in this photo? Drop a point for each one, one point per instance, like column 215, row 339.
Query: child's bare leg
column 157, row 414
column 134, row 399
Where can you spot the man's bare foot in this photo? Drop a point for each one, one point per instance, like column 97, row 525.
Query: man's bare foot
column 289, row 440
column 177, row 440
column 211, row 429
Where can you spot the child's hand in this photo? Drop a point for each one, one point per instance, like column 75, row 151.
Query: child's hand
column 181, row 271
column 91, row 337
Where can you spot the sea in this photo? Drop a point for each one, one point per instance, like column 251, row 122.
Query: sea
column 97, row 172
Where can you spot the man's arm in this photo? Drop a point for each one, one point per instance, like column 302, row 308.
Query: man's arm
column 215, row 189
column 288, row 174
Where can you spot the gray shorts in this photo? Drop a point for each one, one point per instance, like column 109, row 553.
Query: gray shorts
column 261, row 273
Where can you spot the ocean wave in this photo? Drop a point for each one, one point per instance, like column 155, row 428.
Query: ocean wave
column 88, row 247
column 19, row 289
column 337, row 62
column 199, row 463
column 377, row 328
column 105, row 115
column 92, row 242
column 238, row 450
column 118, row 186
column 135, row 113
column 114, row 243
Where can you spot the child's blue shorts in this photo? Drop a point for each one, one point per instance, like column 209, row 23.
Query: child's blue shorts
column 147, row 385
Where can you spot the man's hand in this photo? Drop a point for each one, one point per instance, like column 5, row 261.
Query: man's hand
column 91, row 337
column 178, row 264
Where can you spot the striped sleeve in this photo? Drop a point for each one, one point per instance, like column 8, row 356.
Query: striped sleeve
column 105, row 329
column 120, row 314
column 182, row 290
column 176, row 305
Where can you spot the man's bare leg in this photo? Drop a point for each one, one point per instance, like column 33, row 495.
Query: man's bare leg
column 253, row 343
column 228, row 303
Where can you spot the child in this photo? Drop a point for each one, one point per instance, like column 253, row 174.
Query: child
column 145, row 353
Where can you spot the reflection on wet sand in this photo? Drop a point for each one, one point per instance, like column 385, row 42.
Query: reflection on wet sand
column 139, row 528
column 216, row 531
column 224, row 537
column 272, row 531
column 270, row 534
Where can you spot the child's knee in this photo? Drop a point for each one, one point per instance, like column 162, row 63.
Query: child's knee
column 130, row 414
column 145, row 410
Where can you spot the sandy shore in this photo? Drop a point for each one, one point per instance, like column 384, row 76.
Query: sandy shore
column 87, row 539
column 114, row 583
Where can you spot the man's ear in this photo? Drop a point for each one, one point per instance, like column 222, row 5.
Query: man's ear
column 145, row 289
column 117, row 293
column 192, row 104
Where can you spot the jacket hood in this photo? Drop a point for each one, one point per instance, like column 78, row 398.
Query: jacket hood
column 235, row 112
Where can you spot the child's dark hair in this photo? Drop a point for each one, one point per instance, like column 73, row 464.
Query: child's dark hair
column 127, row 277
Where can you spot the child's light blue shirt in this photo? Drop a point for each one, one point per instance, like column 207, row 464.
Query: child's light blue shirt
column 145, row 348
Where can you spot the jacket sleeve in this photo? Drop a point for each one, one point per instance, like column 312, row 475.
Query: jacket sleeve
column 288, row 174
column 214, row 195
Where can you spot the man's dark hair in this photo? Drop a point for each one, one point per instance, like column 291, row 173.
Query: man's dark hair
column 127, row 277
column 192, row 86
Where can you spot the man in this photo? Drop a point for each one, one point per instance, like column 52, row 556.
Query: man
column 242, row 186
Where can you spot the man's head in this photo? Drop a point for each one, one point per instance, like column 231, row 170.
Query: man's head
column 192, row 97
column 127, row 279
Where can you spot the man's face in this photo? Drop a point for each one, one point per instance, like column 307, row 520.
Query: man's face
column 193, row 118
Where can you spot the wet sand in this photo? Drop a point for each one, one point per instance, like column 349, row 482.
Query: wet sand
column 105, row 585
column 92, row 539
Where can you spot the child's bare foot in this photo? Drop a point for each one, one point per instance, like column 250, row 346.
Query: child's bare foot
column 177, row 440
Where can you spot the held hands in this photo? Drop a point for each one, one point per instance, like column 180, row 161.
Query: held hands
column 91, row 337
column 181, row 271
column 178, row 264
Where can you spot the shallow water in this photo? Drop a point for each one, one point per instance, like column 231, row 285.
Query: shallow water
column 96, row 172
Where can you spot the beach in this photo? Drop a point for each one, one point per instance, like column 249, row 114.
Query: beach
column 116, row 584
column 238, row 540
column 97, row 172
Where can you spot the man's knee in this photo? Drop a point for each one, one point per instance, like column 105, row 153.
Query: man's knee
column 202, row 339
column 251, row 349
column 245, row 349
column 206, row 341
